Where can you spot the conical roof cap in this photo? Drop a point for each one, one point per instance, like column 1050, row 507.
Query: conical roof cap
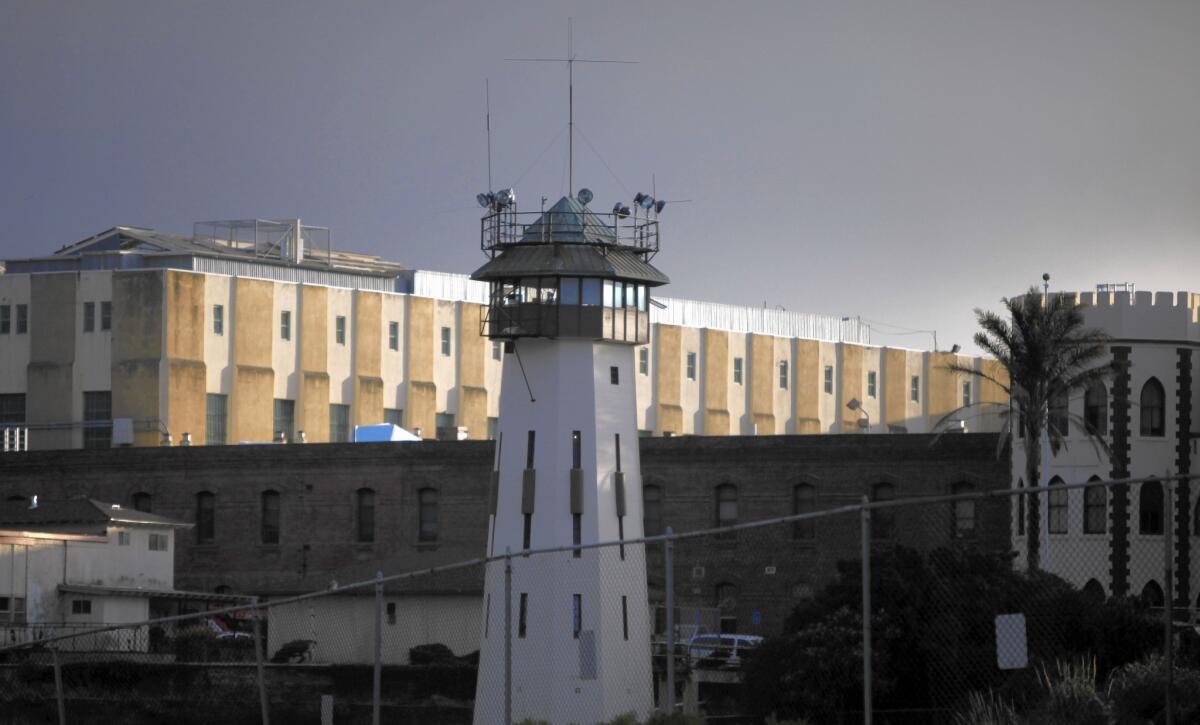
column 569, row 222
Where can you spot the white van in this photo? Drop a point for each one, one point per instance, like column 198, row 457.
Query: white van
column 720, row 650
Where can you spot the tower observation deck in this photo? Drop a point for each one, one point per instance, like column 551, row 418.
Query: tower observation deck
column 569, row 272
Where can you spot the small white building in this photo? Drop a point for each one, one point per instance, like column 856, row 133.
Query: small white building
column 70, row 565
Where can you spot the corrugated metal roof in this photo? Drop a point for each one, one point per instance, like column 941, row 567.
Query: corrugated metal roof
column 79, row 511
column 569, row 260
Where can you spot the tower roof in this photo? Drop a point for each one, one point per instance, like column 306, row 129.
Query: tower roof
column 569, row 260
column 569, row 222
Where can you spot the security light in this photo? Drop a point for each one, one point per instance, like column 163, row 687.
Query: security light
column 854, row 404
column 644, row 200
column 658, row 206
column 584, row 196
column 954, row 349
column 485, row 200
column 505, row 198
column 620, row 210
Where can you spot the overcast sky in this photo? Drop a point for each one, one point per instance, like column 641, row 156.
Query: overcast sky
column 902, row 161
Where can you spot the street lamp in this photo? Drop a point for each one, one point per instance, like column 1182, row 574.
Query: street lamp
column 864, row 422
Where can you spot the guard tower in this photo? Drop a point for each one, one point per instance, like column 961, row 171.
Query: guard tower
column 570, row 298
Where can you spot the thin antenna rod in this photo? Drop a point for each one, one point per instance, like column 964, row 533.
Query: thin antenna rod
column 487, row 94
column 570, row 113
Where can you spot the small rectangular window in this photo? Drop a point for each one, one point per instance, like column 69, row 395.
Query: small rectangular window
column 493, row 427
column 625, row 616
column 218, row 319
column 105, row 316
column 339, row 423
column 81, row 606
column 737, row 370
column 22, row 319
column 393, row 335
column 284, row 420
column 89, row 316
column 829, row 379
column 122, row 538
column 216, row 415
column 592, row 295
column 285, row 325
column 496, row 347
column 570, row 291
column 644, row 361
column 614, row 375
column 446, row 342
column 966, row 398
column 340, row 330
column 783, row 374
column 691, row 366
column 916, row 389
column 5, row 319
column 576, row 614
column 522, row 614
column 395, row 416
column 576, row 534
column 158, row 542
column 872, row 381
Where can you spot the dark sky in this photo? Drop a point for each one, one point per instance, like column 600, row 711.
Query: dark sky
column 902, row 161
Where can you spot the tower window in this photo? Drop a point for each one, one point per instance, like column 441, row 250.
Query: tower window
column 527, row 534
column 966, row 391
column 218, row 319
column 22, row 319
column 105, row 316
column 495, row 349
column 1152, row 406
column 915, row 394
column 614, row 375
column 691, row 366
column 872, row 382
column 206, row 504
column 270, row 517
column 625, row 616
column 576, row 534
column 783, row 374
column 340, row 330
column 445, row 342
column 427, row 517
column 644, row 361
column 393, row 335
column 829, row 379
column 89, row 316
column 737, row 370
column 285, row 325
column 365, row 515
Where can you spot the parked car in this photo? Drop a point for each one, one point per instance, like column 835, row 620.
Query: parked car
column 720, row 650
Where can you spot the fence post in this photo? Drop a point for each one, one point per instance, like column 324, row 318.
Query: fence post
column 1169, row 600
column 507, row 636
column 258, row 664
column 58, row 688
column 668, row 559
column 376, row 675
column 866, row 609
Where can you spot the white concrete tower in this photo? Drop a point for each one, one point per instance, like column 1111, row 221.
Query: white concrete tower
column 570, row 299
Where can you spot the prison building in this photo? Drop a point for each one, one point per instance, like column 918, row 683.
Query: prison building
column 259, row 331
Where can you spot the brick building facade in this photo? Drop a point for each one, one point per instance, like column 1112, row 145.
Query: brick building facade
column 276, row 519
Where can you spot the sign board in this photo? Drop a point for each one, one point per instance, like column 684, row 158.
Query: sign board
column 1012, row 648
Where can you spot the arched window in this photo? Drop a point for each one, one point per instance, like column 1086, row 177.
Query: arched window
column 883, row 521
column 1153, row 406
column 1093, row 591
column 1059, row 502
column 364, row 519
column 1020, row 508
column 727, row 508
column 1095, row 409
column 962, row 512
column 270, row 517
column 427, row 499
column 1152, row 594
column 652, row 510
column 726, row 602
column 143, row 502
column 1056, row 415
column 206, row 517
column 804, row 500
column 1095, row 508
column 1150, row 508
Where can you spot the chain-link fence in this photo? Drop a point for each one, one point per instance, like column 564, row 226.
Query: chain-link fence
column 734, row 624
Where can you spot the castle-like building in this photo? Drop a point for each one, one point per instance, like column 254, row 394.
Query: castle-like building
column 1112, row 540
column 256, row 332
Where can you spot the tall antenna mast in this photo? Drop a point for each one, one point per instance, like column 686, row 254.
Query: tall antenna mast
column 487, row 94
column 570, row 60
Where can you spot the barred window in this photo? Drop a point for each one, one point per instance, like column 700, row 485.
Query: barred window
column 285, row 418
column 1150, row 508
column 1152, row 419
column 206, row 517
column 216, row 417
column 339, row 423
column 97, row 416
column 427, row 514
column 1059, row 508
column 1095, row 409
column 1095, row 508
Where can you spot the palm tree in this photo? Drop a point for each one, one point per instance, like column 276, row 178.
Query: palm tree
column 1048, row 355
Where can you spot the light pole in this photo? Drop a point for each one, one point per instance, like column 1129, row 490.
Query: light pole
column 864, row 422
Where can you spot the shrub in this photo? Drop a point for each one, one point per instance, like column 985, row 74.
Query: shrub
column 1136, row 693
column 987, row 709
column 193, row 644
column 1070, row 696
column 676, row 718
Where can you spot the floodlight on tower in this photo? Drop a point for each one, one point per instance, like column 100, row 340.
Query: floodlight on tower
column 584, row 196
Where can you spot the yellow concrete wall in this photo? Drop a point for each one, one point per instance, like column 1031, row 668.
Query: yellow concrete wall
column 808, row 387
column 312, row 407
column 850, row 385
column 137, row 348
column 763, row 380
column 896, row 386
column 252, row 401
column 186, row 372
column 368, row 379
column 473, row 350
column 942, row 389
column 668, row 370
column 420, row 409
column 717, row 373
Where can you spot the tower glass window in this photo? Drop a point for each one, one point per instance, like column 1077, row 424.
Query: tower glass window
column 783, row 374
column 22, row 319
column 915, row 392
column 218, row 319
column 496, row 347
column 5, row 319
column 285, row 325
column 393, row 335
column 89, row 316
column 652, row 510
column 1058, row 414
column 829, row 379
column 1095, row 409
column 644, row 361
column 737, row 370
column 1152, row 409
column 339, row 330
column 966, row 394
column 12, row 408
column 691, row 366
column 445, row 342
column 1150, row 508
column 284, row 420
column 872, row 381
column 727, row 509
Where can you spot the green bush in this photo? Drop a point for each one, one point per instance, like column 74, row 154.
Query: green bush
column 1136, row 693
column 1070, row 696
